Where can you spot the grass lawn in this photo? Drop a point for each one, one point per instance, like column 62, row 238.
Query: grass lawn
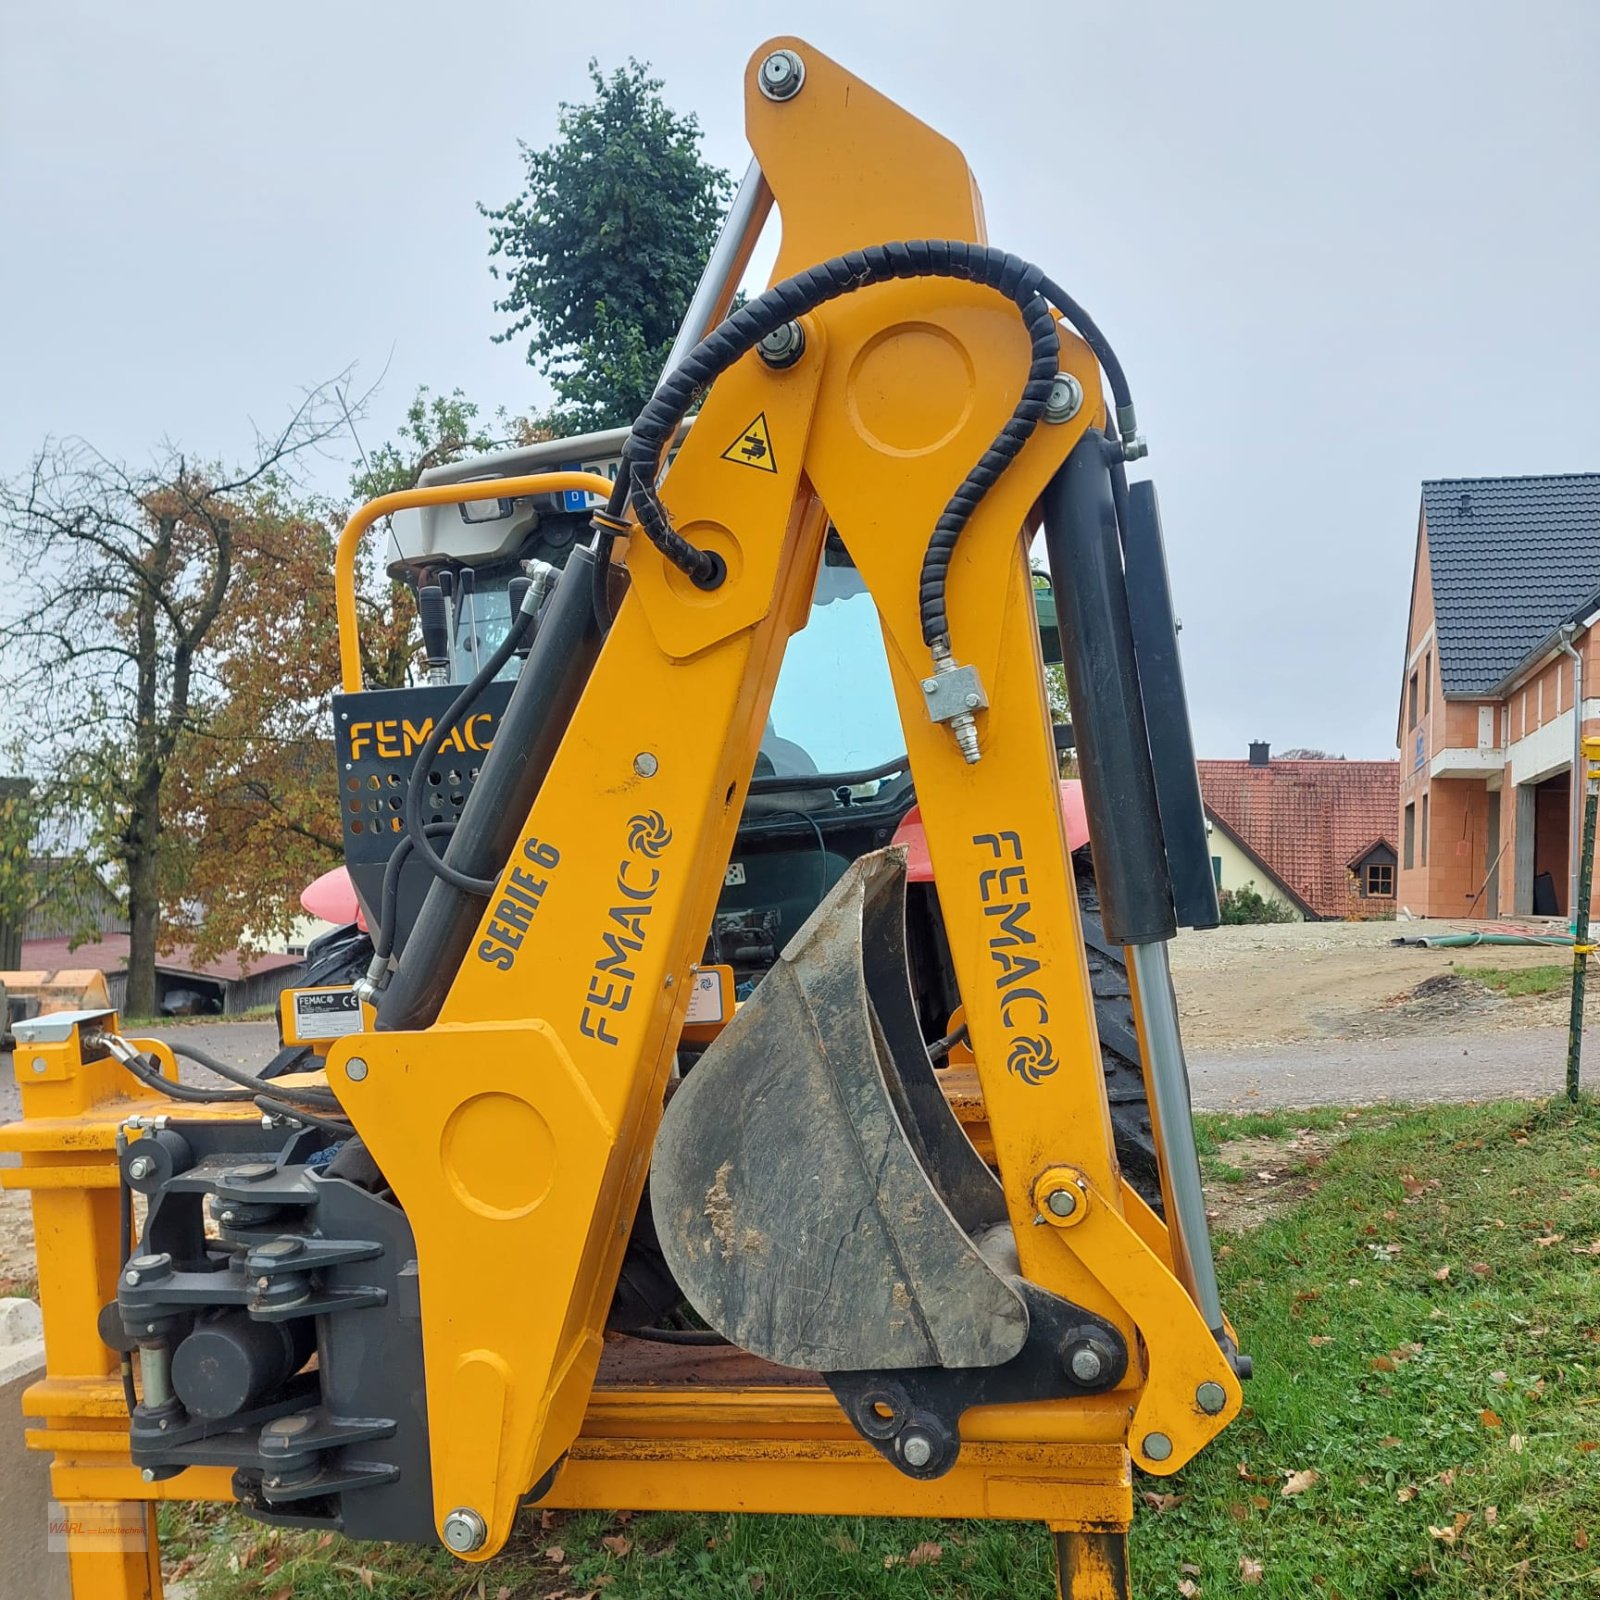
column 1521, row 980
column 1424, row 1419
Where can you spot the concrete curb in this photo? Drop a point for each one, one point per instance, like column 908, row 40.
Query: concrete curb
column 27, row 1569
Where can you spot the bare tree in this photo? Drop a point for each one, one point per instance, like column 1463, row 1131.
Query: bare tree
column 124, row 574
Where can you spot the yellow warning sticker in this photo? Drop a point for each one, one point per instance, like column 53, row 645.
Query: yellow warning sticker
column 753, row 447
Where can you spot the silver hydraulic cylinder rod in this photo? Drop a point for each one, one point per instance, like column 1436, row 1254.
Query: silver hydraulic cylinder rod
column 1168, row 1083
column 729, row 258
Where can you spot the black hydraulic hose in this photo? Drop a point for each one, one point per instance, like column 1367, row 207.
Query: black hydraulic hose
column 1103, row 353
column 416, row 828
column 691, row 1336
column 250, row 1080
column 746, row 327
column 389, row 903
column 150, row 1076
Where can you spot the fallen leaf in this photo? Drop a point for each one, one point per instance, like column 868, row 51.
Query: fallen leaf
column 282, row 1594
column 1188, row 1588
column 1448, row 1476
column 1590, row 1249
column 324, row 1541
column 1382, row 1364
column 1390, row 1442
column 1586, row 1445
column 556, row 1554
column 1405, row 1494
column 1238, row 1510
column 365, row 1575
column 1462, row 1520
column 1444, row 1535
column 1317, row 1340
column 757, row 1582
column 1498, row 1378
column 843, row 1542
column 1260, row 1502
column 1441, row 1275
column 1299, row 1482
column 619, row 1544
column 1490, row 1419
column 1581, row 1538
column 925, row 1554
column 1160, row 1503
column 1250, row 1571
column 1491, row 1515
column 1480, row 1269
column 1189, row 1569
column 1545, row 1240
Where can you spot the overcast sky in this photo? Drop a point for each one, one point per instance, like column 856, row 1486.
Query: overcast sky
column 1338, row 253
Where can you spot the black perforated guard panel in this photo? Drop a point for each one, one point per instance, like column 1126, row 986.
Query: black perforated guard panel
column 377, row 735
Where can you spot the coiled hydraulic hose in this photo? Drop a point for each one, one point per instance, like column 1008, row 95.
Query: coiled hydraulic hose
column 1027, row 285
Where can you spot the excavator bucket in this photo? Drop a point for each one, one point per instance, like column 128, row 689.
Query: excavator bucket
column 815, row 1197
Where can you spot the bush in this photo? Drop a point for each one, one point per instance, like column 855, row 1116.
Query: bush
column 1250, row 905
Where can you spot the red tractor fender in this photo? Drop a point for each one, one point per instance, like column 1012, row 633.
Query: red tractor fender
column 919, row 869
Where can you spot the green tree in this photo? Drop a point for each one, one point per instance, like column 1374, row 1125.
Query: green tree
column 123, row 576
column 602, row 250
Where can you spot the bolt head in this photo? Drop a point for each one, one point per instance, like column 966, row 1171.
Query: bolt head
column 929, row 685
column 131, row 1279
column 141, row 1167
column 147, row 1474
column 974, row 701
column 1066, row 399
column 916, row 1449
column 355, row 1069
column 39, row 1064
column 1086, row 1364
column 646, row 765
column 783, row 346
column 465, row 1531
column 1157, row 1446
column 1211, row 1398
column 781, row 75
column 1062, row 1202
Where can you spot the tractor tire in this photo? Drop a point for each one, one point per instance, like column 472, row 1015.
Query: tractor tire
column 1119, row 1044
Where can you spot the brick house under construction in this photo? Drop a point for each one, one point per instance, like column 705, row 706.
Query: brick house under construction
column 1500, row 650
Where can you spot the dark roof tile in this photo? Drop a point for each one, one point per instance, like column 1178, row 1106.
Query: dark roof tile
column 1512, row 559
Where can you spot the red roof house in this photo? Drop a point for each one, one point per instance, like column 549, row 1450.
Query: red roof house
column 1322, row 830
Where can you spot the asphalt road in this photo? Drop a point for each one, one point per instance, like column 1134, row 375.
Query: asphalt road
column 1529, row 1064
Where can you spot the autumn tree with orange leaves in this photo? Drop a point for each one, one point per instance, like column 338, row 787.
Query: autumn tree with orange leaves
column 255, row 796
column 125, row 575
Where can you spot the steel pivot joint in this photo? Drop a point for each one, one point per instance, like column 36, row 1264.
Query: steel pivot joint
column 952, row 695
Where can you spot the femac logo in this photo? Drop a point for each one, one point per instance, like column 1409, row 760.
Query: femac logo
column 648, row 834
column 1032, row 1060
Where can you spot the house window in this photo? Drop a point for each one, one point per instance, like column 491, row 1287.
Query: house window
column 1424, row 830
column 1216, row 871
column 1427, row 682
column 1409, row 837
column 1411, row 701
column 1379, row 878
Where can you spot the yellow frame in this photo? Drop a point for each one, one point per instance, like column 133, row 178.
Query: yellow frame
column 517, row 1130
